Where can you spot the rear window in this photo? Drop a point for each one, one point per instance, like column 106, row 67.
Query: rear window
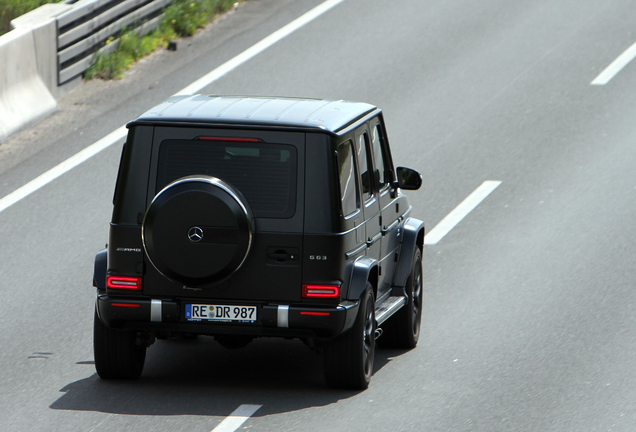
column 264, row 173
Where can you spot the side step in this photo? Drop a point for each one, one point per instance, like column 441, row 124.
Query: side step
column 388, row 307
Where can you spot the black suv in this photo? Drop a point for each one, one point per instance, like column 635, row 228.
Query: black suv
column 245, row 217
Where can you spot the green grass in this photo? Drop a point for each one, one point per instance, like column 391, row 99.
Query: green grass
column 182, row 18
column 10, row 9
column 131, row 48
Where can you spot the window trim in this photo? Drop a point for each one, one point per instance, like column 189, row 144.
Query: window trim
column 356, row 188
column 372, row 187
column 377, row 124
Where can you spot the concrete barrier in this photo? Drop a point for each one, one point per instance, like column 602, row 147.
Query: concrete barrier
column 52, row 46
column 28, row 71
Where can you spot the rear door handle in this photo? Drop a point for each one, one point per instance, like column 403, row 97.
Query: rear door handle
column 280, row 256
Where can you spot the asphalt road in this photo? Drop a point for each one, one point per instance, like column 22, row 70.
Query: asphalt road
column 529, row 319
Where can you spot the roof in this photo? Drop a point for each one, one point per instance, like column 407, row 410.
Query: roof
column 331, row 116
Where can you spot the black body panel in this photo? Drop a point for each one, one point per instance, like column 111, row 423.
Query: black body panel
column 277, row 281
column 282, row 152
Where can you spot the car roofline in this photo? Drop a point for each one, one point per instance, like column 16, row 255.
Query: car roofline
column 179, row 122
column 334, row 117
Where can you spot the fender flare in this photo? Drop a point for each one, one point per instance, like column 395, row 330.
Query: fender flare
column 99, row 271
column 361, row 271
column 412, row 238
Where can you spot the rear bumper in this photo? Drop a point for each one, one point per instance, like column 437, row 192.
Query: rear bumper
column 284, row 320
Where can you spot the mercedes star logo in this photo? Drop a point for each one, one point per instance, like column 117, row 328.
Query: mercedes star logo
column 195, row 234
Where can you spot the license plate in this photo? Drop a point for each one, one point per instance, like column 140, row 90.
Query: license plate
column 220, row 313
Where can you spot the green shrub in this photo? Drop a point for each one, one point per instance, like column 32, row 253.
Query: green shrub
column 186, row 16
column 107, row 66
column 182, row 18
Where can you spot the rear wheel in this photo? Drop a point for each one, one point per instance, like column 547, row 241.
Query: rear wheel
column 118, row 354
column 402, row 330
column 348, row 359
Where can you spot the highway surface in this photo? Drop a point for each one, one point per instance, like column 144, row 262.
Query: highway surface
column 529, row 318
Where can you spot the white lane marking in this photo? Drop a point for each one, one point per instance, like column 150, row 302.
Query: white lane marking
column 616, row 66
column 259, row 47
column 55, row 172
column 460, row 212
column 120, row 133
column 237, row 418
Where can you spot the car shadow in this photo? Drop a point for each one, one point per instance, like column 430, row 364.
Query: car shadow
column 202, row 378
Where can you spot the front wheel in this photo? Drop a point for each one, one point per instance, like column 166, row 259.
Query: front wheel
column 348, row 359
column 402, row 330
column 118, row 354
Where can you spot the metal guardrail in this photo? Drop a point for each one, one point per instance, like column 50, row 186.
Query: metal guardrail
column 85, row 29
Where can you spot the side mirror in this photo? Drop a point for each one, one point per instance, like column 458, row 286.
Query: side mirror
column 408, row 179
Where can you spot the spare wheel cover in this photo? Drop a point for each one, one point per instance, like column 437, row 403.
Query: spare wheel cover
column 198, row 230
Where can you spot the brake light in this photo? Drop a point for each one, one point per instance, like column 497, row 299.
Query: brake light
column 126, row 305
column 315, row 313
column 231, row 139
column 321, row 291
column 123, row 282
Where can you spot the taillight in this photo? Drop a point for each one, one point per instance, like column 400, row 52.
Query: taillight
column 321, row 291
column 123, row 282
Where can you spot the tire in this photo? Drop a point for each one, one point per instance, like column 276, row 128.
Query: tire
column 198, row 230
column 348, row 359
column 402, row 330
column 118, row 354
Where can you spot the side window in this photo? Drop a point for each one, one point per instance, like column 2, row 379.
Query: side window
column 380, row 165
column 363, row 164
column 347, row 174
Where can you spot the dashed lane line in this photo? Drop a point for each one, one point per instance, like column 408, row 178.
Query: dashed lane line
column 616, row 66
column 460, row 212
column 237, row 418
